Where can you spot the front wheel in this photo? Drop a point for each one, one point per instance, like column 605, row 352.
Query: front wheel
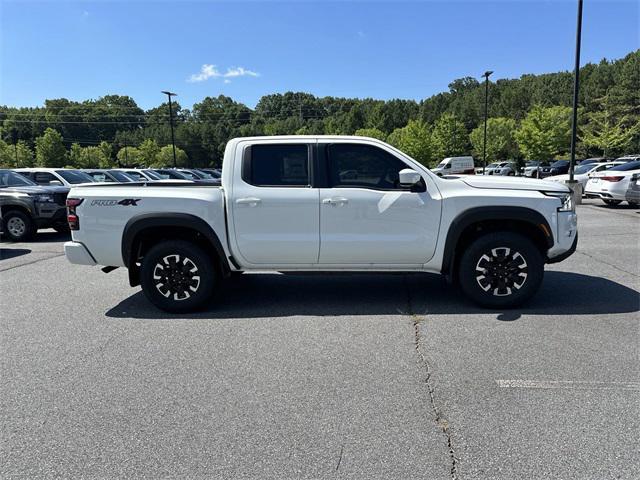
column 178, row 276
column 612, row 203
column 501, row 269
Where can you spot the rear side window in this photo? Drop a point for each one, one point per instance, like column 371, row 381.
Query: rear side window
column 365, row 166
column 276, row 165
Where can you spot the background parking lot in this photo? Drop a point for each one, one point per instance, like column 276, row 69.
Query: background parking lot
column 324, row 376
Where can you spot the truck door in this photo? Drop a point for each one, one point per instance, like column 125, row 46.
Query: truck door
column 366, row 217
column 275, row 212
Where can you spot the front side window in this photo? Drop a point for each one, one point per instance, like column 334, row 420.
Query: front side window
column 12, row 179
column 276, row 165
column 365, row 166
column 136, row 175
column 98, row 176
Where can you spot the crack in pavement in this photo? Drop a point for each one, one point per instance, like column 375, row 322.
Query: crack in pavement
column 440, row 418
column 607, row 263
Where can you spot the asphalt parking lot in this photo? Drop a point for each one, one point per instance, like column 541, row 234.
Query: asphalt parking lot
column 324, row 376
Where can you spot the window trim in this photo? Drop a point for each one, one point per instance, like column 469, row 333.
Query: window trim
column 246, row 166
column 418, row 188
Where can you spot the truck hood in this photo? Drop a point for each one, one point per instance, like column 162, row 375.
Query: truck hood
column 513, row 183
column 35, row 189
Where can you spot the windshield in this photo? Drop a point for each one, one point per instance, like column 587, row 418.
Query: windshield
column 442, row 164
column 121, row 177
column 153, row 175
column 13, row 179
column 204, row 175
column 627, row 166
column 584, row 168
column 531, row 164
column 559, row 163
column 75, row 176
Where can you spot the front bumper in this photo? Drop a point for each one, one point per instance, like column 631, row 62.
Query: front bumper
column 566, row 237
column 77, row 253
column 567, row 254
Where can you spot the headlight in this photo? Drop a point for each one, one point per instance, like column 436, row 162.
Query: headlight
column 42, row 198
column 566, row 200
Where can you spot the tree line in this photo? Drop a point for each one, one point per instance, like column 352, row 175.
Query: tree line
column 529, row 118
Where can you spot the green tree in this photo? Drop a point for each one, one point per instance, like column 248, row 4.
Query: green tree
column 129, row 156
column 164, row 158
column 372, row 133
column 609, row 136
column 149, row 150
column 106, row 151
column 501, row 142
column 50, row 150
column 545, row 132
column 449, row 137
column 17, row 155
column 414, row 140
column 88, row 157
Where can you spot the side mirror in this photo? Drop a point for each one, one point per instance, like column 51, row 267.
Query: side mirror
column 409, row 177
column 55, row 182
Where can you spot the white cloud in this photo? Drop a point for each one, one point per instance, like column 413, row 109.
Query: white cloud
column 208, row 71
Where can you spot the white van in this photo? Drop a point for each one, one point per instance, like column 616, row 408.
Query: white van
column 454, row 165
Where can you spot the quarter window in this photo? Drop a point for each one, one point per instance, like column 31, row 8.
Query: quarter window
column 276, row 166
column 365, row 166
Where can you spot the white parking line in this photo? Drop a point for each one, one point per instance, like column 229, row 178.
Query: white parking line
column 548, row 384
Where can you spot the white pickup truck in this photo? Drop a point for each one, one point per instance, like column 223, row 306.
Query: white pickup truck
column 324, row 203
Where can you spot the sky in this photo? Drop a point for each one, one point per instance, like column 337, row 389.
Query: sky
column 87, row 49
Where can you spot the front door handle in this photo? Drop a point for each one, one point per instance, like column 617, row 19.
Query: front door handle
column 335, row 201
column 251, row 201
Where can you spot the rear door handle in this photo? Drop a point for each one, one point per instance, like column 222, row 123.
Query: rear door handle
column 251, row 201
column 335, row 201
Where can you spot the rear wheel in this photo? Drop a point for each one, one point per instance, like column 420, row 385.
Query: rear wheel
column 501, row 269
column 18, row 226
column 634, row 204
column 178, row 276
column 612, row 203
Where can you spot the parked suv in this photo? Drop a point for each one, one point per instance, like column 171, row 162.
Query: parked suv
column 559, row 167
column 26, row 206
column 55, row 176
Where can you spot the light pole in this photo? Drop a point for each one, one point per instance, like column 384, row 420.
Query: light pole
column 486, row 115
column 173, row 141
column 576, row 88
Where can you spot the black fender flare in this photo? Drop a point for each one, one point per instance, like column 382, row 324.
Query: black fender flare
column 139, row 223
column 479, row 214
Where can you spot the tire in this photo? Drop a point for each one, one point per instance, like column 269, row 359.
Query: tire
column 612, row 203
column 192, row 289
column 634, row 204
column 503, row 253
column 18, row 226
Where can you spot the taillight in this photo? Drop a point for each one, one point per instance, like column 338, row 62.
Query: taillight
column 72, row 217
column 611, row 179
